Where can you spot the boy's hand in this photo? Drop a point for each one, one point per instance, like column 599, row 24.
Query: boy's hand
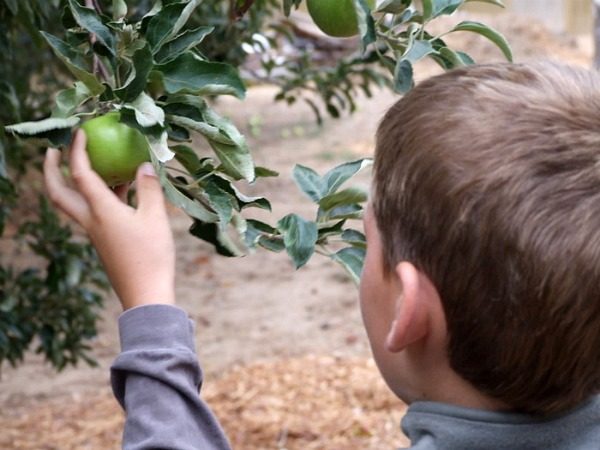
column 135, row 245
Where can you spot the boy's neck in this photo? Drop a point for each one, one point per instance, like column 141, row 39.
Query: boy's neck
column 440, row 383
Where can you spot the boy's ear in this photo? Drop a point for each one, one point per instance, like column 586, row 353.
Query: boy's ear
column 414, row 308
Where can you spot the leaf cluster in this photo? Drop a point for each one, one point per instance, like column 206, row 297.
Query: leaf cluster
column 327, row 234
column 393, row 38
column 55, row 304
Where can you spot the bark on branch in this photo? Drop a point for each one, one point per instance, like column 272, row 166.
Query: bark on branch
column 237, row 10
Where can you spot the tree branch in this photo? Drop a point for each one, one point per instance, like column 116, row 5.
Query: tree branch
column 237, row 11
column 98, row 66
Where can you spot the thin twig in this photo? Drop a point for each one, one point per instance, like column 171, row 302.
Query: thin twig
column 237, row 12
column 98, row 65
column 97, row 6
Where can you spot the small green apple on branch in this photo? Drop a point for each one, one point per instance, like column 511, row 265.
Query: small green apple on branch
column 143, row 88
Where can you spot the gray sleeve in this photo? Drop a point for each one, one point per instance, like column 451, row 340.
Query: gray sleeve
column 156, row 378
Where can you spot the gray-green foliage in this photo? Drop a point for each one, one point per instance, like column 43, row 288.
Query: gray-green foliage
column 393, row 38
column 161, row 64
column 54, row 302
column 54, row 306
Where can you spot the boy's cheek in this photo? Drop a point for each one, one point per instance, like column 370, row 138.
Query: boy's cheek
column 374, row 305
column 377, row 322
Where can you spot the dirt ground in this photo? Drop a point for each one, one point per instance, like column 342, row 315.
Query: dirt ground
column 286, row 360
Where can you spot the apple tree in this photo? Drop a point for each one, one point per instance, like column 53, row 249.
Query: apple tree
column 160, row 65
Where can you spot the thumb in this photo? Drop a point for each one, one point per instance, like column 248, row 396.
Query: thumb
column 149, row 191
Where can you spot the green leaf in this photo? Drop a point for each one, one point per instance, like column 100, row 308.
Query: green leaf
column 128, row 117
column 274, row 244
column 435, row 8
column 355, row 238
column 256, row 229
column 263, row 172
column 42, row 126
column 168, row 22
column 427, row 9
column 309, row 182
column 187, row 157
column 182, row 43
column 119, row 8
column 147, row 113
column 499, row 3
column 60, row 138
column 177, row 133
column 236, row 158
column 261, row 226
column 89, row 20
column 328, row 231
column 207, row 130
column 227, row 142
column 393, row 6
column 444, row 7
column 299, row 236
column 418, row 50
column 222, row 202
column 246, row 201
column 74, row 62
column 342, row 173
column 211, row 233
column 188, row 74
column 187, row 106
column 403, row 76
column 191, row 207
column 138, row 78
column 68, row 100
column 345, row 197
column 353, row 211
column 159, row 146
column 491, row 34
column 465, row 58
column 236, row 161
column 366, row 24
column 352, row 260
column 452, row 57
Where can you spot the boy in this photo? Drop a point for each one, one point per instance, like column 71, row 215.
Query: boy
column 481, row 287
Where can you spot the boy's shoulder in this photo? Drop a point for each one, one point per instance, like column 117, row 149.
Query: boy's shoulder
column 431, row 425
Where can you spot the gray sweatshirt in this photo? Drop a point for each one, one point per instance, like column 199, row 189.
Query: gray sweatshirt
column 156, row 379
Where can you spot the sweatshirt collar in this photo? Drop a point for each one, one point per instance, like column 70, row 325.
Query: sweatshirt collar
column 432, row 425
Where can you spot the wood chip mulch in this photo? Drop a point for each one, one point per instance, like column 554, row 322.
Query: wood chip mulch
column 312, row 402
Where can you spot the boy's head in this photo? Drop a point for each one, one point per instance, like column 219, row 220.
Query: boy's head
column 487, row 180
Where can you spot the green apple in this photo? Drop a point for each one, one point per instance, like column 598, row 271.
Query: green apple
column 336, row 18
column 115, row 149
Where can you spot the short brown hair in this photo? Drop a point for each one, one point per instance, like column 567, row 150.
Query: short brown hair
column 487, row 178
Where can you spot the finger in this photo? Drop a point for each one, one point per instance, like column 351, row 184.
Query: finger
column 68, row 200
column 121, row 192
column 88, row 182
column 149, row 191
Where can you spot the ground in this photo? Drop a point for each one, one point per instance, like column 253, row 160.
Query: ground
column 286, row 359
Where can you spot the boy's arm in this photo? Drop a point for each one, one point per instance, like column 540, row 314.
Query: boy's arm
column 156, row 377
